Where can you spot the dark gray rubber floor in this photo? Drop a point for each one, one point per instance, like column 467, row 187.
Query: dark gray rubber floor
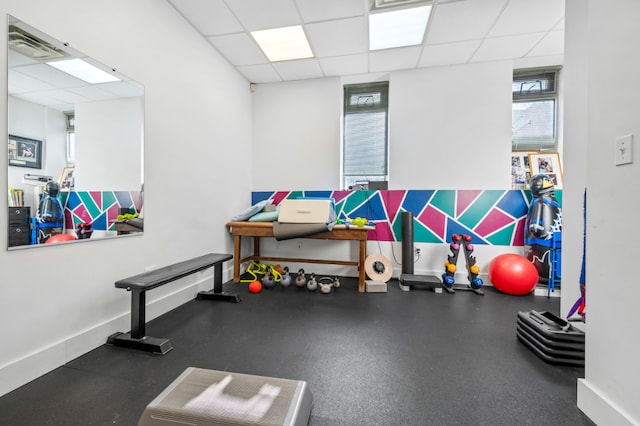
column 396, row 358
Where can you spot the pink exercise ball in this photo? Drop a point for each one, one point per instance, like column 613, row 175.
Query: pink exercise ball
column 513, row 274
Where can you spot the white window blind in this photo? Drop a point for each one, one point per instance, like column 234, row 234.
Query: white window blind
column 365, row 131
column 534, row 110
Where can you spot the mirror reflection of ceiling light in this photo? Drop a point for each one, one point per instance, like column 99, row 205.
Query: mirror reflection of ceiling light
column 84, row 71
column 283, row 44
column 398, row 28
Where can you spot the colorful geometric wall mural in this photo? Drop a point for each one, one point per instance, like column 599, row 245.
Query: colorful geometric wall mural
column 492, row 217
column 98, row 207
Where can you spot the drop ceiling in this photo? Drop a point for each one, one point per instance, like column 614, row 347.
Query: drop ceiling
column 31, row 79
column 458, row 32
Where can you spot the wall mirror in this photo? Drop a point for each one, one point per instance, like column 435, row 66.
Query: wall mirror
column 75, row 144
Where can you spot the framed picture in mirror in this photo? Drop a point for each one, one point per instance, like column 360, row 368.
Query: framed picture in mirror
column 24, row 152
column 66, row 179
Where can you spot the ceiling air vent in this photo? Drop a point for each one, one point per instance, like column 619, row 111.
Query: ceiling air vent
column 31, row 46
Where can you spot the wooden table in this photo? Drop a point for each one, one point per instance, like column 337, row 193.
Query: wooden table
column 265, row 229
column 122, row 227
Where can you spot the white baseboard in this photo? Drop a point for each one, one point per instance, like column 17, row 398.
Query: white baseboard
column 32, row 366
column 599, row 408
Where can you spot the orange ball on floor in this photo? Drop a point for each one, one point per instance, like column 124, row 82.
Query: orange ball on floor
column 255, row 287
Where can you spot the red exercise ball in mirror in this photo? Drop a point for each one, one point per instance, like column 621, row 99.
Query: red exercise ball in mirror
column 60, row 238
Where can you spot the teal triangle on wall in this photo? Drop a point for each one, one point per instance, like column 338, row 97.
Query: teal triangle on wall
column 479, row 208
column 503, row 237
column 396, row 227
column 445, row 201
column 421, row 234
column 294, row 195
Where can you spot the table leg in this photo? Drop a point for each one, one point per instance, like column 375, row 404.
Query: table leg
column 256, row 246
column 363, row 255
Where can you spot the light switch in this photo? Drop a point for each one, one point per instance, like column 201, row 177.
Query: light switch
column 624, row 150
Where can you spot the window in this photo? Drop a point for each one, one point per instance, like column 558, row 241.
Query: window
column 535, row 110
column 71, row 138
column 365, row 145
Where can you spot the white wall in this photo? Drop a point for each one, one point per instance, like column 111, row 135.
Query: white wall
column 296, row 135
column 108, row 139
column 574, row 153
column 55, row 308
column 450, row 127
column 609, row 392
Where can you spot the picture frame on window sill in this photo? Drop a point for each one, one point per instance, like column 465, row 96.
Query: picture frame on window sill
column 547, row 163
column 520, row 170
column 66, row 180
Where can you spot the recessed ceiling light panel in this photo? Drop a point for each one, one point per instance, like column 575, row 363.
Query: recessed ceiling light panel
column 84, row 71
column 283, row 44
column 398, row 28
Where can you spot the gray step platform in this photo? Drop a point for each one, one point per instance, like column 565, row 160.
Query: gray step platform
column 208, row 397
column 551, row 338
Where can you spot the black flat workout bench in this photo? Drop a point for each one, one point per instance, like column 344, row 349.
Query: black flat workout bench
column 141, row 283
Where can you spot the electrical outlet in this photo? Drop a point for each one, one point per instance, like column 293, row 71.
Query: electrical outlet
column 624, row 150
column 417, row 250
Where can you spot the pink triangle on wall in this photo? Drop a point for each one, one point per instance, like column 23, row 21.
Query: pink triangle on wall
column 340, row 195
column 279, row 196
column 96, row 196
column 382, row 232
column 82, row 213
column 518, row 239
column 492, row 222
column 393, row 202
column 434, row 220
column 465, row 198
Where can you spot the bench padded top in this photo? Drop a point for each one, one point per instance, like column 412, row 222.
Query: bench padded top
column 160, row 276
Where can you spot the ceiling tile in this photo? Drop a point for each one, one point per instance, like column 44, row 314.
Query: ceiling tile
column 463, row 20
column 500, row 48
column 448, row 53
column 93, row 93
column 526, row 16
column 345, row 65
column 262, row 14
column 314, row 10
column 210, row 17
column 16, row 59
column 239, row 49
column 298, row 70
column 260, row 73
column 394, row 59
column 551, row 44
column 52, row 76
column 21, row 83
column 340, row 37
column 66, row 96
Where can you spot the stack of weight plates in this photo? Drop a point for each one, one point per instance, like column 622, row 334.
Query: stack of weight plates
column 551, row 338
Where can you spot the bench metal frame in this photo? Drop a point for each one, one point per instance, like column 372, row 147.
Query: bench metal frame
column 139, row 284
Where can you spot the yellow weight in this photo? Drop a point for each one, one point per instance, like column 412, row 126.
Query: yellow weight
column 451, row 268
column 475, row 269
